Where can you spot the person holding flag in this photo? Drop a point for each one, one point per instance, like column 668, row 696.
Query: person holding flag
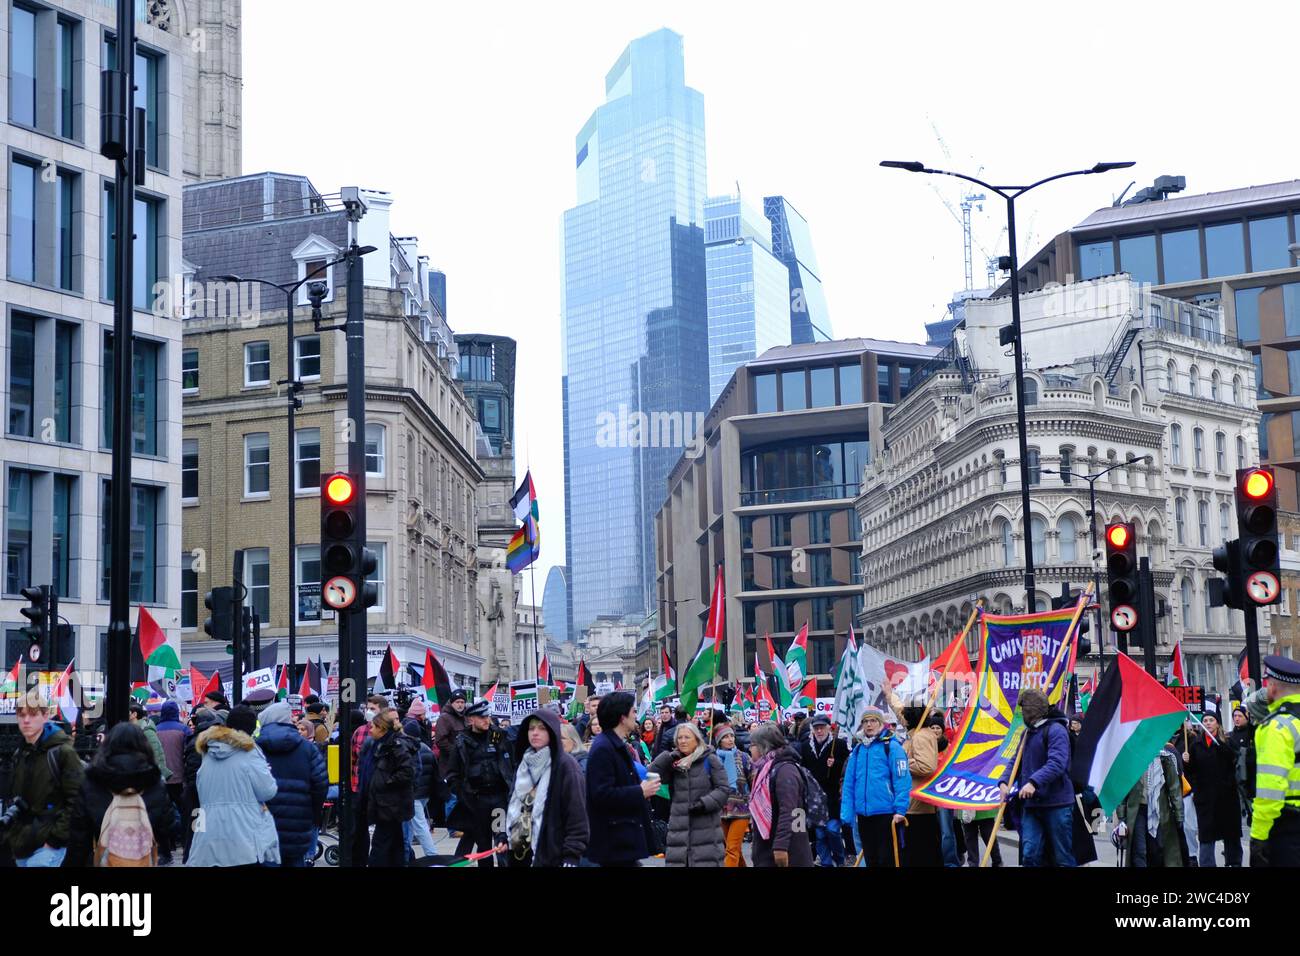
column 1210, row 763
column 1044, row 784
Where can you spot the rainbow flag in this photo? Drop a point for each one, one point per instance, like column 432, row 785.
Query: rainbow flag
column 526, row 545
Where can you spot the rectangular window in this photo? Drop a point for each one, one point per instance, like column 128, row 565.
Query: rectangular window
column 1096, row 259
column 821, row 618
column 379, row 577
column 783, row 615
column 780, row 531
column 819, row 565
column 68, row 32
column 307, row 458
column 794, row 394
column 1268, row 244
column 22, row 67
column 1182, row 255
column 1198, row 447
column 257, row 464
column 1220, row 452
column 189, row 593
column 190, row 469
column 375, row 450
column 257, row 364
column 65, row 384
column 146, row 506
column 1225, row 249
column 765, row 393
column 22, row 376
column 823, row 387
column 257, row 579
column 309, row 584
column 145, row 388
column 61, row 541
column 1034, row 472
column 850, row 384
column 747, row 572
column 782, row 571
column 1067, row 466
column 148, row 257
column 1247, row 309
column 1137, row 257
column 904, row 381
column 490, row 414
column 22, row 220
column 819, row 527
column 747, row 533
column 18, row 532
column 307, row 355
column 66, row 197
column 190, row 371
column 884, row 393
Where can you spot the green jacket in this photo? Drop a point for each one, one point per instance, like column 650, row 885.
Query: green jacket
column 52, row 807
column 160, row 758
column 1169, row 835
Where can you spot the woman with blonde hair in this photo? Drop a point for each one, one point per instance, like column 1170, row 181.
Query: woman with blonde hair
column 698, row 790
column 573, row 745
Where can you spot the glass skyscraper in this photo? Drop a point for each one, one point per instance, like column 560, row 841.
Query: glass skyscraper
column 748, row 288
column 635, row 322
column 810, row 319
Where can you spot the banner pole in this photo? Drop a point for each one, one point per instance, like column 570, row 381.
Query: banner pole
column 1070, row 636
column 929, row 705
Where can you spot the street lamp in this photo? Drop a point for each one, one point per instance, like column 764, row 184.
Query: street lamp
column 316, row 292
column 1011, row 334
column 1092, row 536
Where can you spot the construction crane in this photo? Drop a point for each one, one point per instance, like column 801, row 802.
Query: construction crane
column 969, row 200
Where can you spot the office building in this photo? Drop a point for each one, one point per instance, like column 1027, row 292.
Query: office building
column 810, row 319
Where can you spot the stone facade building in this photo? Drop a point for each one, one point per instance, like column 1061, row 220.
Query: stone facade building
column 1115, row 374
column 423, row 475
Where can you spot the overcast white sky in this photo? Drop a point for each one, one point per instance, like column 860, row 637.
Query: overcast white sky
column 467, row 113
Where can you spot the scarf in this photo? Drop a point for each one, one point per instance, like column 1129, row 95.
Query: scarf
column 1153, row 782
column 730, row 763
column 684, row 764
column 820, row 750
column 760, row 800
column 533, row 776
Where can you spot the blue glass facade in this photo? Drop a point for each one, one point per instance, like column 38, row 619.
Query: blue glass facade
column 555, row 604
column 810, row 319
column 635, row 320
column 748, row 289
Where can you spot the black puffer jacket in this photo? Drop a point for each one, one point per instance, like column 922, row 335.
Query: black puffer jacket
column 203, row 720
column 123, row 771
column 391, row 793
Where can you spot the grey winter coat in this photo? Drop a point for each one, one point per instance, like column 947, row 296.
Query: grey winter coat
column 695, row 821
column 234, row 784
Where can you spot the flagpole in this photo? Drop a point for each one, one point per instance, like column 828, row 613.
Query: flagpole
column 532, row 584
column 948, row 666
column 1071, row 637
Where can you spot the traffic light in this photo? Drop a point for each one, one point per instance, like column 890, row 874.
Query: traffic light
column 219, row 601
column 1122, row 575
column 43, row 612
column 1226, row 591
column 1257, row 536
column 345, row 560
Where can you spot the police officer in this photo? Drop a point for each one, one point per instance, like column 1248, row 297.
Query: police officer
column 480, row 773
column 1275, row 830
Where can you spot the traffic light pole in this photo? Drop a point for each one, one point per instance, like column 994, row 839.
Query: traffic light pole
column 352, row 620
column 237, row 627
column 1252, row 642
column 1147, row 614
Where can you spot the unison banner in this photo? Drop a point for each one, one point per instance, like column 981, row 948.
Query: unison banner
column 1016, row 652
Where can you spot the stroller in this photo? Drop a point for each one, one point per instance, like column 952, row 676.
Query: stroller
column 327, row 842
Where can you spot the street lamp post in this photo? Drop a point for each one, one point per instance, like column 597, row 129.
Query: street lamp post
column 294, row 386
column 1012, row 335
column 1092, row 538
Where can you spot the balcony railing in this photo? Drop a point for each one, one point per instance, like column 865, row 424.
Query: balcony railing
column 783, row 496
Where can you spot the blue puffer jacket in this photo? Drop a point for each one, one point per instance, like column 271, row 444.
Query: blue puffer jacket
column 876, row 780
column 1046, row 764
column 300, row 779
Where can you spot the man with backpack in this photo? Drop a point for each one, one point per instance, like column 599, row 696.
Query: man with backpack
column 877, row 789
column 47, row 777
column 825, row 757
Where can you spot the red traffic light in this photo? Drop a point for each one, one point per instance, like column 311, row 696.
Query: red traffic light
column 1257, row 484
column 339, row 489
column 1118, row 535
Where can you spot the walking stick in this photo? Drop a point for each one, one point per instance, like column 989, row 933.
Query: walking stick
column 893, row 832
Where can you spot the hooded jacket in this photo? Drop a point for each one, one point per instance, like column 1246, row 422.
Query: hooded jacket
column 123, row 771
column 695, row 818
column 564, row 833
column 877, row 779
column 300, row 785
column 1046, row 763
column 234, row 784
column 390, row 793
column 449, row 727
column 52, row 803
column 171, row 734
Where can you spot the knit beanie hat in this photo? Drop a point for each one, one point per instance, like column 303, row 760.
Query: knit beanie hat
column 721, row 731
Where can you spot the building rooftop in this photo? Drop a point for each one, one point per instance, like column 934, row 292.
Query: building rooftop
column 1229, row 200
column 836, row 347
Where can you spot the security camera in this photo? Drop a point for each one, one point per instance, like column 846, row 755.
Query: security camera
column 353, row 204
column 316, row 292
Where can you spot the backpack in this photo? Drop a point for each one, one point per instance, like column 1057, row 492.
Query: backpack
column 814, row 799
column 126, row 835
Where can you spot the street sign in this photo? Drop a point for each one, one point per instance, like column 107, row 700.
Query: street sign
column 1124, row 618
column 340, row 592
column 1262, row 587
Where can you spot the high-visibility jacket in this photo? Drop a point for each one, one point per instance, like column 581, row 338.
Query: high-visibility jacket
column 1277, row 771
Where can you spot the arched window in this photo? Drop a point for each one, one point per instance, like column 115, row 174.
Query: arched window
column 1236, row 390
column 1214, row 385
column 1171, row 377
column 1031, row 391
column 1241, row 452
column 1198, row 447
column 1008, row 545
column 1224, row 517
column 1203, row 521
column 1176, row 444
column 1193, row 380
column 1069, row 532
column 1038, row 535
column 1180, row 520
column 1186, row 594
column 375, row 449
column 1220, row 452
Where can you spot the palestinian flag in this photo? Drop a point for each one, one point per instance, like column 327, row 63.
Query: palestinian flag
column 434, row 680
column 1177, row 676
column 544, row 672
column 796, row 660
column 738, row 705
column 704, row 668
column 585, row 679
column 311, row 682
column 807, row 696
column 782, row 693
column 282, row 685
column 213, row 685
column 762, row 692
column 10, row 685
column 388, row 671
column 1128, row 721
column 152, row 658
column 664, row 685
column 141, row 691
column 63, row 695
column 524, row 501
